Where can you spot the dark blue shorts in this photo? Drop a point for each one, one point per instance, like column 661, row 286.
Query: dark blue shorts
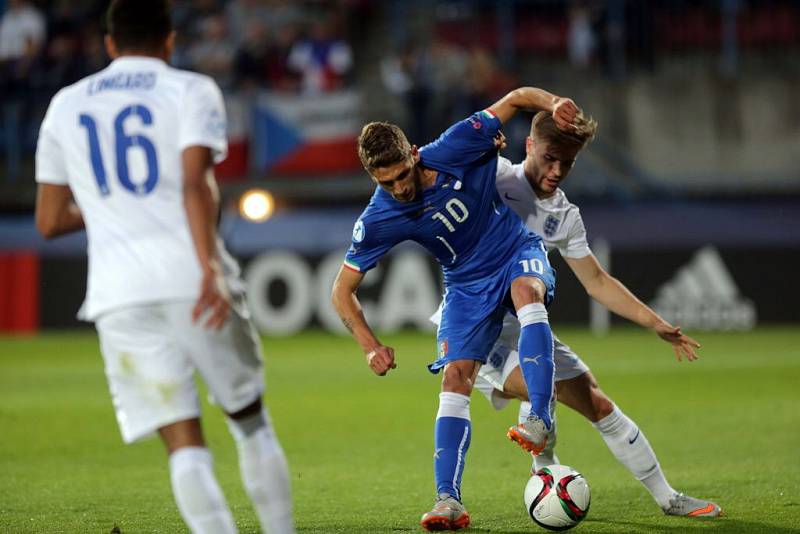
column 472, row 314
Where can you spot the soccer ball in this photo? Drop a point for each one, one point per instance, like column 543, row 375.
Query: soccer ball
column 557, row 497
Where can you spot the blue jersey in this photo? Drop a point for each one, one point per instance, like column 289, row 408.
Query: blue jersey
column 460, row 219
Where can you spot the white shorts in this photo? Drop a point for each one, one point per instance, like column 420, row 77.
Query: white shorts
column 503, row 359
column 151, row 353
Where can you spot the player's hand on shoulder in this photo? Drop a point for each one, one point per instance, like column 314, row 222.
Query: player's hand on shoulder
column 215, row 300
column 381, row 360
column 682, row 345
column 564, row 113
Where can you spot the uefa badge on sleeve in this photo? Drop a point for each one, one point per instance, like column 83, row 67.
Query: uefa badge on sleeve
column 443, row 348
column 358, row 231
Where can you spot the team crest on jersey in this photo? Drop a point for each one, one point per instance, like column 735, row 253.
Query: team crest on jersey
column 358, row 231
column 215, row 124
column 551, row 225
column 443, row 348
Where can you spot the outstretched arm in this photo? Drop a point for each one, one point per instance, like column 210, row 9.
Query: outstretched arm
column 612, row 294
column 379, row 357
column 56, row 211
column 564, row 110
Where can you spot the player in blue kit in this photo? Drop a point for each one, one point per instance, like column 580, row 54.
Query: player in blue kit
column 443, row 197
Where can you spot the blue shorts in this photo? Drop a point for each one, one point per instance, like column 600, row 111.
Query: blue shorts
column 472, row 314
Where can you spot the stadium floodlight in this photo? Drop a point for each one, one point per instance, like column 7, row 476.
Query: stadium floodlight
column 256, row 205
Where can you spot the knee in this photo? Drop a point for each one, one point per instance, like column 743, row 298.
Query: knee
column 456, row 380
column 528, row 290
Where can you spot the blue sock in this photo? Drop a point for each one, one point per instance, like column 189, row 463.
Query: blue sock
column 452, row 435
column 536, row 358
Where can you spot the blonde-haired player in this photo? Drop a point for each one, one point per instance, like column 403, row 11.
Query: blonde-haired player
column 531, row 189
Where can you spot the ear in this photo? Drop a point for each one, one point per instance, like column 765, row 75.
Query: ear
column 529, row 143
column 111, row 47
column 169, row 45
column 415, row 154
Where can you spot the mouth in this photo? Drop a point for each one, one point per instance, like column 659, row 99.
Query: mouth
column 552, row 182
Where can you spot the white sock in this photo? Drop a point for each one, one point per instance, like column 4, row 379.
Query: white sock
column 197, row 492
column 264, row 471
column 630, row 446
column 548, row 455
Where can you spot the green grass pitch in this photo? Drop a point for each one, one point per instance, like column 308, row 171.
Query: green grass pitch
column 726, row 427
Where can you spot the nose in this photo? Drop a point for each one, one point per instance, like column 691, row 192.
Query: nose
column 557, row 169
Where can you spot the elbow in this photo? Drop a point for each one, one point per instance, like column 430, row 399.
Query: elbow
column 592, row 292
column 338, row 297
column 594, row 288
column 335, row 299
column 340, row 294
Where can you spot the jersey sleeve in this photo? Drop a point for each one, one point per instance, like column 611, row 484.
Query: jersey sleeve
column 203, row 121
column 576, row 245
column 371, row 241
column 463, row 143
column 505, row 175
column 50, row 165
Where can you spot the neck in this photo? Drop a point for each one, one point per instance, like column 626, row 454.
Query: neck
column 428, row 177
column 143, row 53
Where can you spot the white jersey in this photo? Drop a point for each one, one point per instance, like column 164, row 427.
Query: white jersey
column 116, row 139
column 555, row 219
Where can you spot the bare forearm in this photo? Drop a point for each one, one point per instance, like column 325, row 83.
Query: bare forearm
column 201, row 213
column 349, row 309
column 524, row 98
column 612, row 294
column 532, row 99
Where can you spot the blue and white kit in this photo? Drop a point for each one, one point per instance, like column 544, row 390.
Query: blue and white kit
column 480, row 243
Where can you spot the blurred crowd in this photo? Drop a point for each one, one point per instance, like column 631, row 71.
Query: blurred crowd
column 440, row 60
column 278, row 45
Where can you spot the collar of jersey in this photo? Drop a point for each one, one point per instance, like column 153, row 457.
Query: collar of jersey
column 127, row 61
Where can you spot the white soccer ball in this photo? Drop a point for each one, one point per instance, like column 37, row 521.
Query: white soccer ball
column 557, row 497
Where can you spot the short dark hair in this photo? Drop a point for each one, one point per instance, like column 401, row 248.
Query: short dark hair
column 139, row 24
column 382, row 144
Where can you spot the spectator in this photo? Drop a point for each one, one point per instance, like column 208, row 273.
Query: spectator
column 449, row 63
column 22, row 31
column 408, row 75
column 250, row 63
column 22, row 35
column 213, row 52
column 94, row 51
column 322, row 60
column 241, row 14
column 60, row 65
column 486, row 82
column 280, row 77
